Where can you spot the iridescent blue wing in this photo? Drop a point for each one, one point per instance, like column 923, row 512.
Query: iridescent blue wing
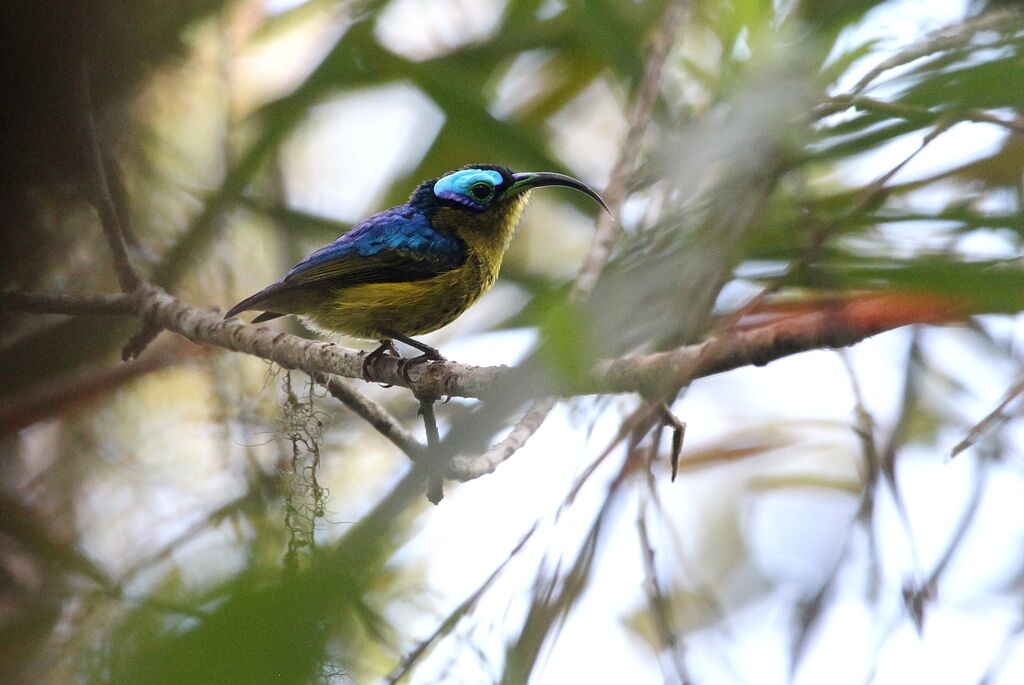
column 398, row 245
column 394, row 246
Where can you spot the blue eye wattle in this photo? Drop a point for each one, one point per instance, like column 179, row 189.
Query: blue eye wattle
column 472, row 188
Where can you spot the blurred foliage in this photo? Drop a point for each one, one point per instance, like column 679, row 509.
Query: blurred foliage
column 750, row 180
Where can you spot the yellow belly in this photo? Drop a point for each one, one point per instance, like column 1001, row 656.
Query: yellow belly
column 369, row 310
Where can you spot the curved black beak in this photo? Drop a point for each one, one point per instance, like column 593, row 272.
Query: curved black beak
column 528, row 180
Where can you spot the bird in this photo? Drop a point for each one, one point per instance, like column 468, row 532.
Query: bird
column 413, row 268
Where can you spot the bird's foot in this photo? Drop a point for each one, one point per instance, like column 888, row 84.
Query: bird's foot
column 428, row 356
column 386, row 349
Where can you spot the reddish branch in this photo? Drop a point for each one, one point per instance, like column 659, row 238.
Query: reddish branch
column 779, row 330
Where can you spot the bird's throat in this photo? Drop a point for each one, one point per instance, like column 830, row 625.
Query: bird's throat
column 486, row 234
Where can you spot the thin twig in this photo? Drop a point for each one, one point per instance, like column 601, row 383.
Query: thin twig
column 446, row 626
column 389, row 427
column 463, row 469
column 810, row 610
column 435, row 483
column 374, row 414
column 865, row 430
column 607, row 228
column 71, row 305
column 991, row 420
column 865, row 423
column 127, row 276
column 910, row 396
column 140, row 340
column 915, row 599
column 910, row 112
column 129, row 279
column 658, row 601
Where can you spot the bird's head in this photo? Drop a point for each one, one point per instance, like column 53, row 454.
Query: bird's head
column 482, row 187
column 486, row 200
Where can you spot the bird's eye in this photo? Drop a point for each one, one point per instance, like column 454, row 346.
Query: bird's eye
column 481, row 191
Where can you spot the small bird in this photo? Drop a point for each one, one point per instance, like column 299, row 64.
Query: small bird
column 413, row 268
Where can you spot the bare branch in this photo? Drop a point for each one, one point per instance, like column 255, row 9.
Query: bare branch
column 433, row 379
column 465, row 469
column 607, row 229
column 127, row 276
column 435, row 483
column 374, row 414
column 834, row 324
column 409, row 660
column 991, row 420
column 916, row 598
column 72, row 305
column 839, row 324
column 137, row 344
column 460, row 469
column 658, row 602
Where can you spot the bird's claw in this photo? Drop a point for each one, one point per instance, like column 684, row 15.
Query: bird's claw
column 386, row 349
column 405, row 364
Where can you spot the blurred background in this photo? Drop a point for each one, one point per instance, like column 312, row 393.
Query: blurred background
column 203, row 516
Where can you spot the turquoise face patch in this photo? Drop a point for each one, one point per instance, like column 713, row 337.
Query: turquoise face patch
column 458, row 186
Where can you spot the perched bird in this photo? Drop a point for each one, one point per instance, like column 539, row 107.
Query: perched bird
column 413, row 268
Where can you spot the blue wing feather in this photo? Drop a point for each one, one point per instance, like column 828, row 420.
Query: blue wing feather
column 396, row 245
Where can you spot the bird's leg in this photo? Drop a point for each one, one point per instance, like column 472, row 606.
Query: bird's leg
column 430, row 354
column 387, row 348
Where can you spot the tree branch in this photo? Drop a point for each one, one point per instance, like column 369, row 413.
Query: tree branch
column 467, row 468
column 837, row 323
column 71, row 305
column 127, row 276
column 433, row 379
column 607, row 229
column 374, row 414
column 990, row 421
column 435, row 482
column 834, row 324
